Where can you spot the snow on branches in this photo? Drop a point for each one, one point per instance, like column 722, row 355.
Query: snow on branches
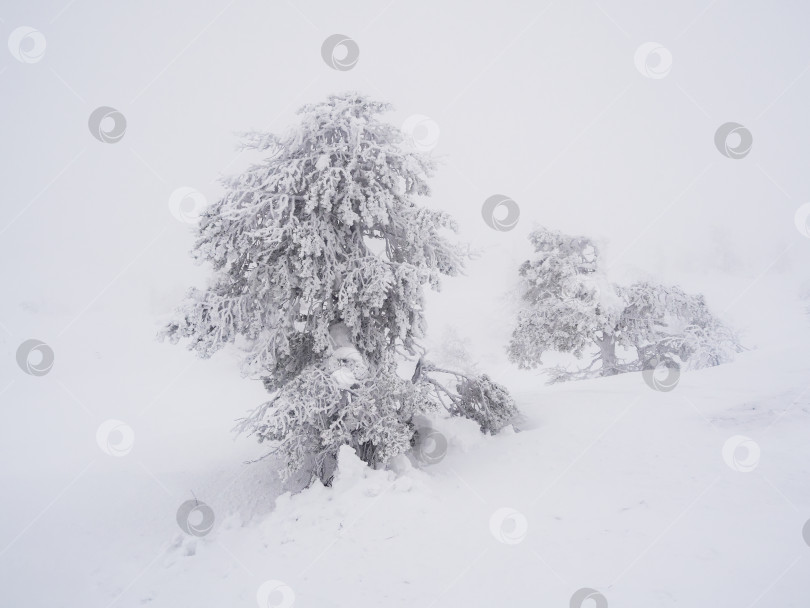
column 324, row 232
column 570, row 307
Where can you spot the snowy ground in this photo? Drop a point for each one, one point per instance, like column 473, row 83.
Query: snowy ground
column 609, row 485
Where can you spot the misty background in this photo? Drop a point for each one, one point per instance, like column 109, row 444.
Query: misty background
column 541, row 102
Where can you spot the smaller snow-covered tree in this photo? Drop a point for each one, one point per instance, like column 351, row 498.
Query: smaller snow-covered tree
column 677, row 326
column 568, row 306
column 646, row 320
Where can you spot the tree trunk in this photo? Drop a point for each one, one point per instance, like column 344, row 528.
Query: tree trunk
column 607, row 354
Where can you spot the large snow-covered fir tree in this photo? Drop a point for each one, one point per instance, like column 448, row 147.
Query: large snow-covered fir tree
column 320, row 256
column 570, row 307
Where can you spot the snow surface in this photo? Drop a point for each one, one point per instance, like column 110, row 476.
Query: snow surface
column 608, row 484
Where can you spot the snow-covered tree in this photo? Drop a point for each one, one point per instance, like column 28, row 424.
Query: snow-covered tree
column 663, row 322
column 320, row 256
column 569, row 307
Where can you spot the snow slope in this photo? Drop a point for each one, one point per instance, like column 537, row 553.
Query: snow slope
column 609, row 485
